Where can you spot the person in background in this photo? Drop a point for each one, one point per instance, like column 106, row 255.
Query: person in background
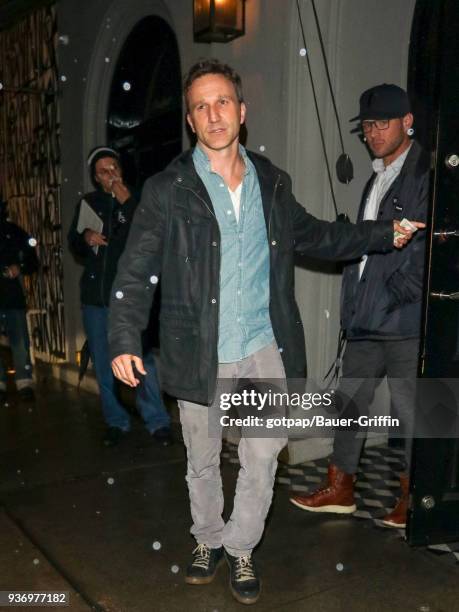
column 381, row 299
column 18, row 257
column 112, row 205
column 220, row 225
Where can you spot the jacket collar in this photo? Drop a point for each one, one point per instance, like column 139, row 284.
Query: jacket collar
column 416, row 164
column 186, row 176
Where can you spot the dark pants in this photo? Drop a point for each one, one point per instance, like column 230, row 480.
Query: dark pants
column 14, row 323
column 148, row 396
column 365, row 363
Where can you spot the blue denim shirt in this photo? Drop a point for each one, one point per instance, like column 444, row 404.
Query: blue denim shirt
column 244, row 324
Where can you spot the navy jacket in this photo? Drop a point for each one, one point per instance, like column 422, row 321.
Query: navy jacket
column 386, row 302
column 15, row 248
column 100, row 269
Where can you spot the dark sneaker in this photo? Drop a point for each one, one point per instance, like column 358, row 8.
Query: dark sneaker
column 244, row 582
column 26, row 394
column 204, row 566
column 163, row 436
column 113, row 436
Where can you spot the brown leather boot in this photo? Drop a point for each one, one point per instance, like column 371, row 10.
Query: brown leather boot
column 336, row 496
column 397, row 518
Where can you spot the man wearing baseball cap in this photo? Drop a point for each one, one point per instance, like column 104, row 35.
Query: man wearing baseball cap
column 380, row 300
column 97, row 238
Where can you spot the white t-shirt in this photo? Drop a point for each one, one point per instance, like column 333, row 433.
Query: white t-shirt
column 236, row 199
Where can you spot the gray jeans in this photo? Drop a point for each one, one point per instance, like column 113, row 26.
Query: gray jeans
column 258, row 463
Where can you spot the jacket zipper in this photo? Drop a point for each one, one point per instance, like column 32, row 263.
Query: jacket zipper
column 212, row 395
column 273, row 200
column 104, row 260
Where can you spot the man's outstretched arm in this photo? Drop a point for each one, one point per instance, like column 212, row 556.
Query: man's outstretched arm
column 336, row 241
column 139, row 269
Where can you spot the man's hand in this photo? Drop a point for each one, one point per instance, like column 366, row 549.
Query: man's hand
column 406, row 231
column 120, row 191
column 122, row 369
column 12, row 271
column 93, row 238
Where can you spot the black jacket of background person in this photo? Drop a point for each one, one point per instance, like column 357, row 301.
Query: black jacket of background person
column 99, row 270
column 386, row 303
column 14, row 249
column 175, row 235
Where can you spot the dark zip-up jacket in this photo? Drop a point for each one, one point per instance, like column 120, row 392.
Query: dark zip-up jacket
column 100, row 269
column 15, row 248
column 386, row 302
column 175, row 235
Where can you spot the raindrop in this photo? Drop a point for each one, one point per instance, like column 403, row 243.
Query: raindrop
column 64, row 39
column 107, row 60
column 339, row 567
column 36, row 561
column 262, row 148
column 153, row 279
column 156, row 545
column 32, row 243
column 63, row 78
column 327, row 314
column 1, row 85
column 126, row 86
column 303, row 52
column 110, row 481
column 175, row 569
column 119, row 295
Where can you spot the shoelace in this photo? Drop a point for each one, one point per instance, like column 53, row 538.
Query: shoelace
column 202, row 553
column 244, row 569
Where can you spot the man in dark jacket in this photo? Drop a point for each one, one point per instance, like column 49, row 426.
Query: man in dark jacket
column 17, row 257
column 97, row 238
column 220, row 225
column 381, row 299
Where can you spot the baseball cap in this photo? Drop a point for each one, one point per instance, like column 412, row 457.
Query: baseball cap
column 384, row 101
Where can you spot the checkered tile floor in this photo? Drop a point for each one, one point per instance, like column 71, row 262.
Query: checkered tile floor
column 376, row 489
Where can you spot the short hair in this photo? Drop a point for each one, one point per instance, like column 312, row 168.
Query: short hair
column 212, row 66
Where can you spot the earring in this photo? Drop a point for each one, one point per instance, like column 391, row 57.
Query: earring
column 410, row 131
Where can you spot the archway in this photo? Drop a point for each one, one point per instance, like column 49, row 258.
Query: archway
column 144, row 115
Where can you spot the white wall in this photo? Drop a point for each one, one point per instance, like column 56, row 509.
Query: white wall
column 366, row 42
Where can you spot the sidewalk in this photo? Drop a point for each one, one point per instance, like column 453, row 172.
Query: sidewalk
column 81, row 518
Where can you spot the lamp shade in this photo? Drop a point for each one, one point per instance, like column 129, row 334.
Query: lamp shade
column 218, row 20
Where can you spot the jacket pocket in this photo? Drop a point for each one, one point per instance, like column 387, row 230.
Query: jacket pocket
column 179, row 341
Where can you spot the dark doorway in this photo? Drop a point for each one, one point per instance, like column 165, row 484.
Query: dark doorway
column 434, row 83
column 145, row 105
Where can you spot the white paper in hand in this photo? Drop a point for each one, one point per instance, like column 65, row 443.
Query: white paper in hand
column 89, row 219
